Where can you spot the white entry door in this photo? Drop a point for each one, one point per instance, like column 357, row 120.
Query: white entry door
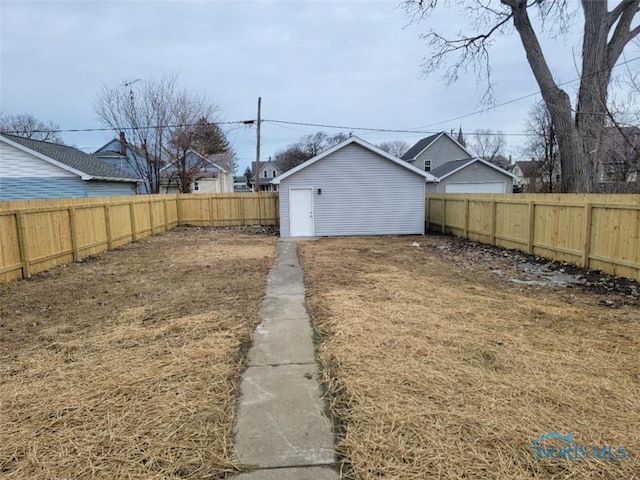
column 301, row 212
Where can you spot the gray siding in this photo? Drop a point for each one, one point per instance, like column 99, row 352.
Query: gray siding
column 441, row 151
column 476, row 173
column 97, row 188
column 362, row 194
column 40, row 187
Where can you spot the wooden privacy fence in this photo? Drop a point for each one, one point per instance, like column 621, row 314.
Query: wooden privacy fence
column 600, row 232
column 36, row 235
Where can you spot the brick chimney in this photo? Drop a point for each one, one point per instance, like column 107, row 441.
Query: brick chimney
column 123, row 144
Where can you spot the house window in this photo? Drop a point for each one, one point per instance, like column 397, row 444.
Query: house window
column 273, row 173
column 196, row 187
column 427, row 165
column 265, row 174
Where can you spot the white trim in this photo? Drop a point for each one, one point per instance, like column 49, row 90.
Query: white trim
column 504, row 185
column 428, row 177
column 313, row 209
column 473, row 160
column 46, row 158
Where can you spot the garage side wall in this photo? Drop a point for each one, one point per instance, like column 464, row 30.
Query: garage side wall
column 362, row 194
column 474, row 174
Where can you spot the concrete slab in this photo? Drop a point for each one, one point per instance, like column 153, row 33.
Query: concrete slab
column 285, row 281
column 295, row 473
column 283, row 307
column 281, row 421
column 281, row 342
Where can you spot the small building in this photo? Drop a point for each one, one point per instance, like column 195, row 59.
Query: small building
column 36, row 169
column 209, row 173
column 456, row 168
column 471, row 175
column 353, row 188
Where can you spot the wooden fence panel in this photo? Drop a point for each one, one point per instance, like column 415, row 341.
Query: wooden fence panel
column 10, row 259
column 36, row 235
column 600, row 232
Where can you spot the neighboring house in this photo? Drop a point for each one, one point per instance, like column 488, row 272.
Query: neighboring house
column 618, row 160
column 432, row 152
column 455, row 167
column 353, row 188
column 471, row 175
column 528, row 176
column 121, row 154
column 207, row 171
column 269, row 170
column 35, row 169
column 240, row 184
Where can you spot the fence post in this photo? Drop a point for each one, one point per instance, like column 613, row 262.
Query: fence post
column 588, row 213
column 210, row 205
column 74, row 233
column 166, row 214
column 23, row 245
column 107, row 224
column 241, row 199
column 134, row 224
column 493, row 221
column 178, row 205
column 466, row 218
column 152, row 217
column 532, row 226
column 427, row 211
column 444, row 215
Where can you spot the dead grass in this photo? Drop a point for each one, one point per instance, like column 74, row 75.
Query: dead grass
column 126, row 366
column 434, row 371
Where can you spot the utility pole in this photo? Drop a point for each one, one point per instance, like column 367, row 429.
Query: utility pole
column 257, row 183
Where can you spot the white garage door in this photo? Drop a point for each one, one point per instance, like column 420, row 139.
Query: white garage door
column 485, row 187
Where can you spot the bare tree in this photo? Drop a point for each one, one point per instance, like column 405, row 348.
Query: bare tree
column 605, row 35
column 396, row 148
column 160, row 121
column 306, row 148
column 489, row 145
column 543, row 145
column 27, row 126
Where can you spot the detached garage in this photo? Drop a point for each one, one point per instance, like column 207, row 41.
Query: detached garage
column 471, row 175
column 354, row 188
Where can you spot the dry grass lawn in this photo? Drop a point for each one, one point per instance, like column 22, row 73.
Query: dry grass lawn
column 438, row 368
column 126, row 365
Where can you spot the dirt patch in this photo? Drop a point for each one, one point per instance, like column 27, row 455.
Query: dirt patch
column 125, row 365
column 438, row 366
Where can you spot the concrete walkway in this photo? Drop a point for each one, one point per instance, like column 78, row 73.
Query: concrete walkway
column 282, row 430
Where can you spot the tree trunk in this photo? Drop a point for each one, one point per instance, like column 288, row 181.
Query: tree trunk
column 556, row 99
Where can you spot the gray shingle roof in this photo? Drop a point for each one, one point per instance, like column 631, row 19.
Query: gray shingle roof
column 418, row 147
column 74, row 158
column 447, row 168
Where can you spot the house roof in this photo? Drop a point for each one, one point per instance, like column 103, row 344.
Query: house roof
column 423, row 143
column 529, row 168
column 426, row 142
column 449, row 168
column 201, row 162
column 87, row 166
column 358, row 141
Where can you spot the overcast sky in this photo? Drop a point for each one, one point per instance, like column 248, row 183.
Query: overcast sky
column 344, row 63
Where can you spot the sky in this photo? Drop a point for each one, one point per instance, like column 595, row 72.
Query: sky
column 351, row 64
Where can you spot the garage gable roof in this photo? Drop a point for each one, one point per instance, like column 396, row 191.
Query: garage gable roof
column 358, row 141
column 449, row 168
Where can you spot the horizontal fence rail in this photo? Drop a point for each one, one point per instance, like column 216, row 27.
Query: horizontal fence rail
column 599, row 232
column 36, row 235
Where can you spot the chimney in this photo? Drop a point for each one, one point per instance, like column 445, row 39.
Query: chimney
column 123, row 144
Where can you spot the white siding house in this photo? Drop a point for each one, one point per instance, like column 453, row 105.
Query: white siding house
column 354, row 188
column 472, row 175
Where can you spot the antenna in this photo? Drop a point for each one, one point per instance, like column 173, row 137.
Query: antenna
column 128, row 84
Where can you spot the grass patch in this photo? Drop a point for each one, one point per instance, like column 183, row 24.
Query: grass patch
column 434, row 370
